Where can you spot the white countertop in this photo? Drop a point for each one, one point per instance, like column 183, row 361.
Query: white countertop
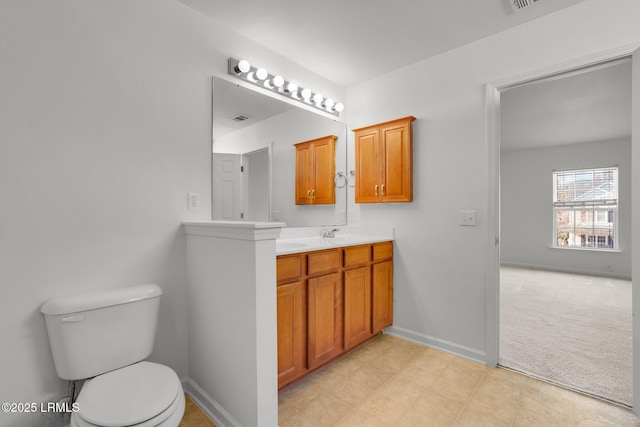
column 305, row 239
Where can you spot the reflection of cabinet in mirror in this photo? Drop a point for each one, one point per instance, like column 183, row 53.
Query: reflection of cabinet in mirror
column 315, row 169
column 384, row 164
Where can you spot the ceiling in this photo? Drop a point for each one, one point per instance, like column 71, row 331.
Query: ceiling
column 589, row 106
column 231, row 101
column 347, row 41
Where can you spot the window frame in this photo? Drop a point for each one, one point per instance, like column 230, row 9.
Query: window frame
column 590, row 208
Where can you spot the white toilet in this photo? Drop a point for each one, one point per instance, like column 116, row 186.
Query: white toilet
column 105, row 336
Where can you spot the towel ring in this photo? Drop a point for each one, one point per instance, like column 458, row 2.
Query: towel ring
column 340, row 180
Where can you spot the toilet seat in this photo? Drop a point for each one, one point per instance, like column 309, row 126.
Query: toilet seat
column 144, row 394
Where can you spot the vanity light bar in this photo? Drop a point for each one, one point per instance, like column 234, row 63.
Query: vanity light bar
column 243, row 70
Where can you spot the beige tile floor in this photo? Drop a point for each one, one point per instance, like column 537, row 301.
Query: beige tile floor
column 193, row 416
column 392, row 382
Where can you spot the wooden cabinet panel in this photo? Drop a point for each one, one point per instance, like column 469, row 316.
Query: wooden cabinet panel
column 304, row 173
column 325, row 318
column 384, row 162
column 315, row 170
column 323, row 261
column 357, row 306
column 356, row 255
column 292, row 327
column 367, row 147
column 382, row 251
column 382, row 295
column 397, row 164
column 288, row 268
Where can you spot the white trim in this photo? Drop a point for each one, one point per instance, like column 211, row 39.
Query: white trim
column 241, row 230
column 438, row 344
column 209, row 406
column 492, row 256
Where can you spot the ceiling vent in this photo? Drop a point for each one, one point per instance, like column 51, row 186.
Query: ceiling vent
column 240, row 118
column 521, row 4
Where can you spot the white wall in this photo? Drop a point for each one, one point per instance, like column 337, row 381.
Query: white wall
column 284, row 130
column 106, row 125
column 526, row 217
column 440, row 266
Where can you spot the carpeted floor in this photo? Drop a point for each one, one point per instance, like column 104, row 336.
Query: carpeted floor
column 570, row 329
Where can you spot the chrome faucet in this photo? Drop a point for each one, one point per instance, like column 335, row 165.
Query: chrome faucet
column 329, row 233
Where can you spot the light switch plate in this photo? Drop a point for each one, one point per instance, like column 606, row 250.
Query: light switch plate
column 468, row 218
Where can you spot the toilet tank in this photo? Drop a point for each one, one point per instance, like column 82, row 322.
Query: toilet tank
column 97, row 332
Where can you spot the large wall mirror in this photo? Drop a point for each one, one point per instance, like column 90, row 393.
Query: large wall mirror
column 254, row 159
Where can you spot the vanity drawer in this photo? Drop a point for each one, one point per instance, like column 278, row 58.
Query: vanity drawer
column 357, row 255
column 323, row 261
column 382, row 250
column 288, row 267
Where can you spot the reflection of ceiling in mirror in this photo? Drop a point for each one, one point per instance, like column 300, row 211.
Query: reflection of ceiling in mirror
column 231, row 101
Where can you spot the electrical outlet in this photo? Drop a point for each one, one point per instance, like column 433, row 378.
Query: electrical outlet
column 468, row 218
column 193, row 201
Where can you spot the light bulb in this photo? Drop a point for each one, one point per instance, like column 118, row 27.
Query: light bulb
column 317, row 98
column 242, row 67
column 339, row 107
column 306, row 94
column 278, row 81
column 261, row 74
column 328, row 103
column 291, row 87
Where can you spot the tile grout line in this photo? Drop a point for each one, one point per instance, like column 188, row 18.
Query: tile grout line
column 466, row 403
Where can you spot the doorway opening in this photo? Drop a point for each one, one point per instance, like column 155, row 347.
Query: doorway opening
column 565, row 312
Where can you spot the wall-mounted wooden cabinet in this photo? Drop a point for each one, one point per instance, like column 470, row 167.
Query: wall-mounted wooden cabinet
column 384, row 162
column 315, row 169
column 330, row 301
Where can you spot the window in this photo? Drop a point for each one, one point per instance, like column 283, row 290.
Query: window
column 585, row 207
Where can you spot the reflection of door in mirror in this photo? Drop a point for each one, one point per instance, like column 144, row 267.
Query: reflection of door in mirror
column 256, row 180
column 241, row 186
column 227, row 186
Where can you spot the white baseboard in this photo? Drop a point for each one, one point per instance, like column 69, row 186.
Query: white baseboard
column 209, row 406
column 566, row 270
column 438, row 344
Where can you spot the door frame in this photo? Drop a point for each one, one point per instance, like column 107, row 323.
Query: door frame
column 492, row 239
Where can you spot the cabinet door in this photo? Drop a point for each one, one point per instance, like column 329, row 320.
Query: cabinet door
column 382, row 295
column 292, row 339
column 357, row 306
column 325, row 318
column 304, row 173
column 397, row 162
column 324, row 166
column 368, row 173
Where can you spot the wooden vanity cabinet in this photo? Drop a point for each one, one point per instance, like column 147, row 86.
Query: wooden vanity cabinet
column 315, row 170
column 384, row 162
column 329, row 301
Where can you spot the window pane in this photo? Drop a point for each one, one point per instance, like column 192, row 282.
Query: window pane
column 585, row 207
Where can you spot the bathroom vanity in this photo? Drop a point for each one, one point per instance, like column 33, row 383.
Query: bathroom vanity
column 330, row 298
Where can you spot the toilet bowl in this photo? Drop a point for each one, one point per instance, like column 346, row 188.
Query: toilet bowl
column 144, row 394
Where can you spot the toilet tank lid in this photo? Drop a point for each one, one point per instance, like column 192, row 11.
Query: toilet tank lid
column 100, row 299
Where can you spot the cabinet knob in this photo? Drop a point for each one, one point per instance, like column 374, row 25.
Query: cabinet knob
column 313, row 194
column 308, row 193
column 376, row 189
column 383, row 189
